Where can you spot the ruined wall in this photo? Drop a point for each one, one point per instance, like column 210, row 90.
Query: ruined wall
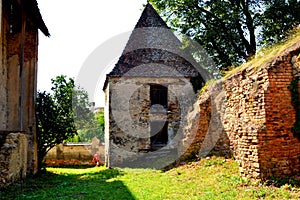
column 244, row 118
column 279, row 148
column 130, row 114
column 257, row 118
column 13, row 156
column 74, row 154
column 203, row 134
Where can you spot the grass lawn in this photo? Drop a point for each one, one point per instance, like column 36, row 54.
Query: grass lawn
column 207, row 179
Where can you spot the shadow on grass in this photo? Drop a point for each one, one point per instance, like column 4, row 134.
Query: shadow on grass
column 100, row 184
column 279, row 182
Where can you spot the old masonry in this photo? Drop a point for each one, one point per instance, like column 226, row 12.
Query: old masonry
column 248, row 115
column 20, row 21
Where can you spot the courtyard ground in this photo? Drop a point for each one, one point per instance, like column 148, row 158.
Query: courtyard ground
column 214, row 178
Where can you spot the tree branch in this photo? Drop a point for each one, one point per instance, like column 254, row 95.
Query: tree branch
column 249, row 22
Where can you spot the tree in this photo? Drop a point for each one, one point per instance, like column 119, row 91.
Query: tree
column 94, row 128
column 56, row 114
column 64, row 115
column 100, row 121
column 231, row 30
column 88, row 124
column 279, row 17
column 84, row 118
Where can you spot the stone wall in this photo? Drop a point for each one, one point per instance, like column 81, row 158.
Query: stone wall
column 130, row 114
column 75, row 154
column 13, row 156
column 256, row 112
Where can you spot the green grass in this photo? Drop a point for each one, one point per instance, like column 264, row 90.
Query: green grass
column 216, row 178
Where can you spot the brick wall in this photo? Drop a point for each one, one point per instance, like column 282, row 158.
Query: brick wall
column 279, row 149
column 257, row 116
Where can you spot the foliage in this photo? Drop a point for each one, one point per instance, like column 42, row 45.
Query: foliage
column 55, row 117
column 278, row 19
column 88, row 124
column 60, row 114
column 216, row 178
column 83, row 116
column 94, row 127
column 231, row 30
column 268, row 54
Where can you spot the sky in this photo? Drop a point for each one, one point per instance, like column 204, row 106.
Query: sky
column 78, row 29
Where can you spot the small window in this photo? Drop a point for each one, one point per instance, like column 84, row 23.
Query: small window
column 159, row 95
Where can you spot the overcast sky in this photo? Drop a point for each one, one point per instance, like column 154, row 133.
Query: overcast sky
column 77, row 28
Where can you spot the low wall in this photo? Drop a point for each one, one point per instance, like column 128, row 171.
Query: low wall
column 13, row 156
column 75, row 154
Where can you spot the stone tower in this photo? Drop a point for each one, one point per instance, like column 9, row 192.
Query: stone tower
column 147, row 93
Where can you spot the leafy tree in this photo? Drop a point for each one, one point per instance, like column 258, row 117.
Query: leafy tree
column 84, row 118
column 87, row 123
column 100, row 121
column 278, row 19
column 231, row 30
column 57, row 112
column 94, row 128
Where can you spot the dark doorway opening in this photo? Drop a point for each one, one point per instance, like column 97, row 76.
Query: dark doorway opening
column 159, row 126
column 159, row 134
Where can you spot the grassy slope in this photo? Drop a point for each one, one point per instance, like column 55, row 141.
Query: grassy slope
column 207, row 179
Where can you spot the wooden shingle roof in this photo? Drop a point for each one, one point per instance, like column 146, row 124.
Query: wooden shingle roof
column 152, row 51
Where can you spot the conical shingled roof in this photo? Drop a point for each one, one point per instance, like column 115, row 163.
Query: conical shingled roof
column 153, row 51
column 150, row 18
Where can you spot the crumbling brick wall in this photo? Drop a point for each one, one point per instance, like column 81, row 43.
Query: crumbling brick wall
column 204, row 133
column 279, row 148
column 257, row 117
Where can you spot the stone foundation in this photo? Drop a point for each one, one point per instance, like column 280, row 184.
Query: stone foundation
column 13, row 155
